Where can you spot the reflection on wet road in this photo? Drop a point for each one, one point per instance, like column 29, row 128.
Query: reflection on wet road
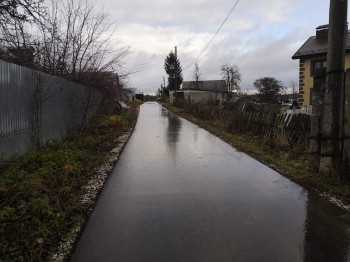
column 178, row 193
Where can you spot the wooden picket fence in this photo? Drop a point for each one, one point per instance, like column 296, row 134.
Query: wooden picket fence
column 293, row 129
column 296, row 127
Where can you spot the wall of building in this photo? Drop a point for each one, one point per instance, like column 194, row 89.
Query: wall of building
column 36, row 108
column 204, row 96
column 198, row 96
column 306, row 81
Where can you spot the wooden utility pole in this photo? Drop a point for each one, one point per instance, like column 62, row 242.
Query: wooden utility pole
column 332, row 128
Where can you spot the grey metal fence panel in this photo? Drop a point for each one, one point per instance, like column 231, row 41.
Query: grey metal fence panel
column 36, row 107
column 65, row 106
column 16, row 109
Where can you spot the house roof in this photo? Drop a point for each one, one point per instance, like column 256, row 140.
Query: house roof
column 322, row 27
column 129, row 90
column 316, row 47
column 209, row 85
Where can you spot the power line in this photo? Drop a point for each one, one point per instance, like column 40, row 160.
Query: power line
column 204, row 12
column 194, row 22
column 203, row 21
column 197, row 21
column 205, row 48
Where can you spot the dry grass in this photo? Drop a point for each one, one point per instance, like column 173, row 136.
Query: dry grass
column 40, row 190
column 276, row 153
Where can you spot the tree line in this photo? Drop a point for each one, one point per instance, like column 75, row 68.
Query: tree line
column 66, row 38
column 269, row 88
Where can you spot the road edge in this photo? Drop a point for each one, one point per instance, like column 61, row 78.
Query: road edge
column 90, row 195
column 345, row 205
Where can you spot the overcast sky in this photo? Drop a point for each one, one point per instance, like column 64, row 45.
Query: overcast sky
column 260, row 36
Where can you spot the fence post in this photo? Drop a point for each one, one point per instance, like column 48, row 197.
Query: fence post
column 37, row 120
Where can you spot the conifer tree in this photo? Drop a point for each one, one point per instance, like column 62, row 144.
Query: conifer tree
column 173, row 68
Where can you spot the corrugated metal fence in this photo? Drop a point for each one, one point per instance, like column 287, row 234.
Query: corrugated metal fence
column 36, row 107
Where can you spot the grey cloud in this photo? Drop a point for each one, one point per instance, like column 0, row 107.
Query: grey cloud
column 260, row 36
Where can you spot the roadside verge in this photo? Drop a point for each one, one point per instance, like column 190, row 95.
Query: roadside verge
column 291, row 164
column 47, row 195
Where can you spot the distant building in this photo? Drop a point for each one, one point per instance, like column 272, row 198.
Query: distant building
column 23, row 56
column 312, row 56
column 214, row 91
column 128, row 95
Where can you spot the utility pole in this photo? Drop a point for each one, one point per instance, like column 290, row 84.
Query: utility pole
column 228, row 81
column 332, row 128
column 175, row 74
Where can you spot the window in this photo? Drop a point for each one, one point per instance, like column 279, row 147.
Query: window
column 318, row 65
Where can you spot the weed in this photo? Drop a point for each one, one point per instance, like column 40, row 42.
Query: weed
column 40, row 190
column 278, row 148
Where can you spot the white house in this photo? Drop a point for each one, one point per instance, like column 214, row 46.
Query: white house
column 201, row 92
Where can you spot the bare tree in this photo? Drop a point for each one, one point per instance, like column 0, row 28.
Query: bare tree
column 78, row 40
column 20, row 9
column 16, row 46
column 16, row 16
column 232, row 76
column 73, row 40
column 14, row 11
column 196, row 73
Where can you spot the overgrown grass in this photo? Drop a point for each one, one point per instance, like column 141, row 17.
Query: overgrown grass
column 40, row 191
column 290, row 161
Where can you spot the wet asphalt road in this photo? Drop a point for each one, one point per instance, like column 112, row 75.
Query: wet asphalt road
column 178, row 193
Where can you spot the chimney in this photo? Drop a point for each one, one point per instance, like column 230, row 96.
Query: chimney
column 322, row 32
